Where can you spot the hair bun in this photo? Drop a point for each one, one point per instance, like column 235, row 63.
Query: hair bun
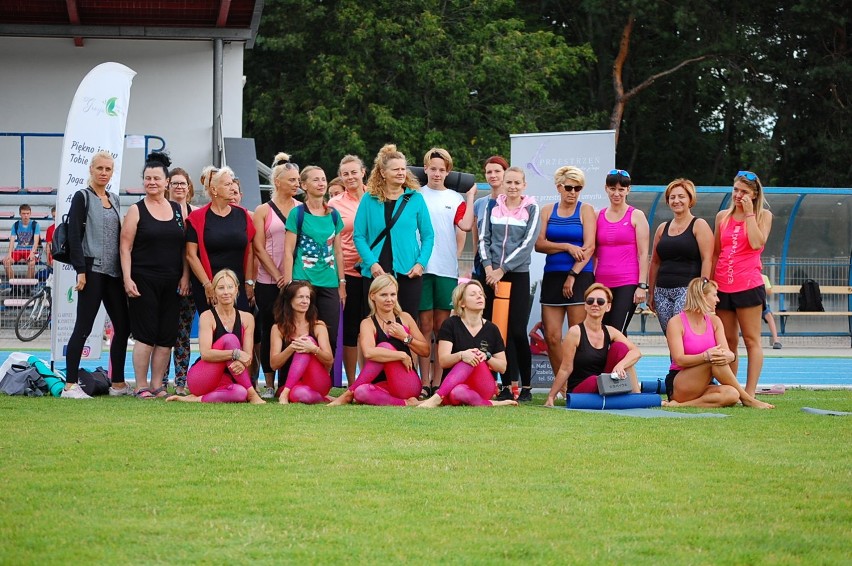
column 388, row 148
column 280, row 159
column 160, row 158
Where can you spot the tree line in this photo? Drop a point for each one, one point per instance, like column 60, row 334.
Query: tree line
column 693, row 88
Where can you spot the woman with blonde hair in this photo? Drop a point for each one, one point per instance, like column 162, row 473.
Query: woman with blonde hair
column 567, row 236
column 741, row 234
column 312, row 249
column 225, row 340
column 387, row 339
column 351, row 172
column 219, row 236
column 94, row 228
column 700, row 353
column 393, row 232
column 471, row 351
column 270, row 219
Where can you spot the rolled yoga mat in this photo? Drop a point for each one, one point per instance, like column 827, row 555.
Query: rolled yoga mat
column 657, row 386
column 626, row 401
column 500, row 310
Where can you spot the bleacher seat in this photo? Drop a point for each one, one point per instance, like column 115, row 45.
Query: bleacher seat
column 10, row 190
column 134, row 191
column 4, row 236
column 40, row 190
column 17, row 303
column 5, row 214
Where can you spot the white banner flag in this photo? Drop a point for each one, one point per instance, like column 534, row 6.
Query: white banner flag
column 96, row 121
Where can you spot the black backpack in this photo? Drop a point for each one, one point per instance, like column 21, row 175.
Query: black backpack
column 810, row 297
column 60, row 249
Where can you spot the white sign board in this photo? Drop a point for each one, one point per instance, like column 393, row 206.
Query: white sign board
column 96, row 121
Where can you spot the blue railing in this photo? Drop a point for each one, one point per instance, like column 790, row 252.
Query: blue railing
column 24, row 135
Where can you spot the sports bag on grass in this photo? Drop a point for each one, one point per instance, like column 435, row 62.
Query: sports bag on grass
column 23, row 380
column 94, row 383
column 611, row 384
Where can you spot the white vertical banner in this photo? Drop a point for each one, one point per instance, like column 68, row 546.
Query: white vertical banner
column 540, row 155
column 96, row 121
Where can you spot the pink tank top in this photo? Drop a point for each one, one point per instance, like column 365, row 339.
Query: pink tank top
column 274, row 231
column 738, row 267
column 617, row 259
column 696, row 343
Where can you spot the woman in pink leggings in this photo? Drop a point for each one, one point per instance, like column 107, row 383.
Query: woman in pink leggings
column 225, row 338
column 387, row 339
column 306, row 358
column 592, row 348
column 470, row 348
column 700, row 353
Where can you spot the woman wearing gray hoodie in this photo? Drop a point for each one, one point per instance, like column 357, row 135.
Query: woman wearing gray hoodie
column 508, row 238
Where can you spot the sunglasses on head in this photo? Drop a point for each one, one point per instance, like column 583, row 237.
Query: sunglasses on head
column 621, row 172
column 569, row 188
column 599, row 300
column 747, row 174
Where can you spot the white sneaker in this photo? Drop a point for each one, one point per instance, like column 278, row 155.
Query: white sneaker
column 268, row 393
column 75, row 392
column 126, row 390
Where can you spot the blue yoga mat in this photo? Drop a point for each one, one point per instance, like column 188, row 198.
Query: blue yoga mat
column 626, row 401
column 657, row 386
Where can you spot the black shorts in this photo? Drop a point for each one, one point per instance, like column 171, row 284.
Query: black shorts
column 670, row 377
column 551, row 288
column 154, row 315
column 742, row 299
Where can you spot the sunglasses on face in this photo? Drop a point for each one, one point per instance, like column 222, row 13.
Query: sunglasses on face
column 747, row 174
column 599, row 300
column 569, row 188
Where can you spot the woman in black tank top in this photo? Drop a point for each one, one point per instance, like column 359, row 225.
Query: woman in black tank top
column 152, row 265
column 387, row 339
column 591, row 348
column 225, row 339
column 300, row 347
column 682, row 251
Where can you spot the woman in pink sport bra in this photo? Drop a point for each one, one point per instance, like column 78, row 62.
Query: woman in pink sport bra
column 622, row 236
column 699, row 353
column 741, row 232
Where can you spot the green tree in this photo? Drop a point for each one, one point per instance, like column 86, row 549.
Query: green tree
column 346, row 77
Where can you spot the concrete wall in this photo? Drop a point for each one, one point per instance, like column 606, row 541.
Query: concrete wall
column 171, row 97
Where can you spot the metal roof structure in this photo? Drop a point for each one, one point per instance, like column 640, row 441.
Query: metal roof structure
column 226, row 20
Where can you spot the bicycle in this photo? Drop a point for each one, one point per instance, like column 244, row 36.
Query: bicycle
column 34, row 317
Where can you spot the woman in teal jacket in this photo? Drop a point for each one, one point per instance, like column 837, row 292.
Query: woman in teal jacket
column 393, row 200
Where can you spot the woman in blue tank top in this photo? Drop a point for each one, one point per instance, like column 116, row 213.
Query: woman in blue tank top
column 568, row 238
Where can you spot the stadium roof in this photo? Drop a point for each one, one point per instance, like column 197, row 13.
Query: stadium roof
column 228, row 20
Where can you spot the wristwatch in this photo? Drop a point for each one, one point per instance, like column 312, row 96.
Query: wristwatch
column 250, row 282
column 573, row 273
column 643, row 286
column 408, row 340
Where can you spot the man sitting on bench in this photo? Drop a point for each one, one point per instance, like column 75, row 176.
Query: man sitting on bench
column 23, row 243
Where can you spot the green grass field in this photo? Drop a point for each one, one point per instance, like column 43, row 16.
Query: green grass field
column 124, row 481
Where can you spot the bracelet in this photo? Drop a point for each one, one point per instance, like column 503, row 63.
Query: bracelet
column 207, row 284
column 341, row 281
column 751, row 215
column 643, row 286
column 235, row 355
column 706, row 356
column 573, row 274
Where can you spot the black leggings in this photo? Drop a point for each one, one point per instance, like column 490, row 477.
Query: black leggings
column 109, row 290
column 621, row 313
column 265, row 295
column 518, row 356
